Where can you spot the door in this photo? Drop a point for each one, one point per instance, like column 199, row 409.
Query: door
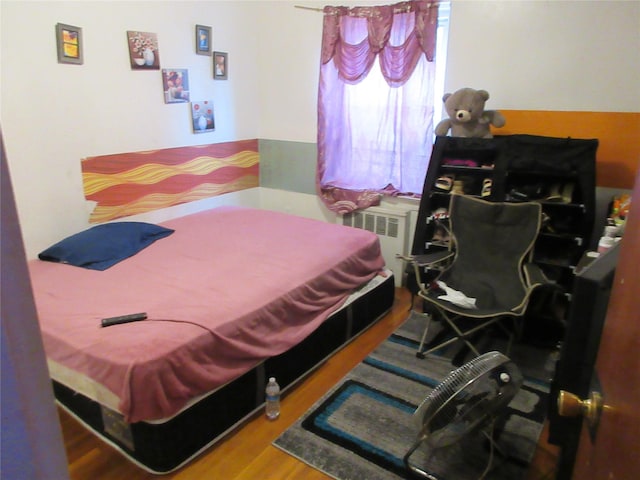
column 614, row 452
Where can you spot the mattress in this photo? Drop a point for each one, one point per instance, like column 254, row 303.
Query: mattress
column 232, row 293
column 163, row 446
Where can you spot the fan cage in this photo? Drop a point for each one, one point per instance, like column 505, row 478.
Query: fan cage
column 468, row 398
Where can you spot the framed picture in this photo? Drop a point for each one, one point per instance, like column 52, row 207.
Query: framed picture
column 203, row 40
column 175, row 83
column 202, row 116
column 220, row 65
column 143, row 50
column 69, row 41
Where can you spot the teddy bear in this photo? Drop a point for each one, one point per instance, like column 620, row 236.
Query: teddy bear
column 467, row 116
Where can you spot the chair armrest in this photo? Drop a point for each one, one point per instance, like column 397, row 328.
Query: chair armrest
column 432, row 261
column 535, row 277
column 428, row 259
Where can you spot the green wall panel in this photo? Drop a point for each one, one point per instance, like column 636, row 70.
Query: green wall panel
column 288, row 165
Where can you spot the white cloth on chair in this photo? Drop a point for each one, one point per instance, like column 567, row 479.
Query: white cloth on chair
column 456, row 297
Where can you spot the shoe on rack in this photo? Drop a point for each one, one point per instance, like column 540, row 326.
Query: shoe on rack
column 440, row 213
column 441, row 236
column 561, row 193
column 458, row 187
column 515, row 195
column 460, row 162
column 487, row 183
column 444, row 183
column 555, row 193
column 546, row 225
column 567, row 192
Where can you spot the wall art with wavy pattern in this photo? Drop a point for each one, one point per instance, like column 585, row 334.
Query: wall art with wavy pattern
column 125, row 184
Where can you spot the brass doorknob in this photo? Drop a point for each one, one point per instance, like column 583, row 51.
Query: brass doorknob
column 570, row 405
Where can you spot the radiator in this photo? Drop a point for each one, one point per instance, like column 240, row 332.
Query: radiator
column 394, row 226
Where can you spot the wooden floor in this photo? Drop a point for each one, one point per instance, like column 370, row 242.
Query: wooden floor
column 247, row 454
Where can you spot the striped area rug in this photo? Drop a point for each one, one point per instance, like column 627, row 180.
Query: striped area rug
column 364, row 426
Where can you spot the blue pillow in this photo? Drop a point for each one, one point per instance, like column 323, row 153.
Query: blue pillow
column 104, row 245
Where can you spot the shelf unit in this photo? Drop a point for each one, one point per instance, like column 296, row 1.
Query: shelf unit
column 557, row 172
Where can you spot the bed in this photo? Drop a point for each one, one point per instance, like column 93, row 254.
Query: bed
column 232, row 296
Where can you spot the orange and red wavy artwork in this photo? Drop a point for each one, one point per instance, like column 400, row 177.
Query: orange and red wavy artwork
column 129, row 183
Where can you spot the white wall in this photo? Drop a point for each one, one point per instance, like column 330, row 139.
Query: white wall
column 555, row 55
column 290, row 59
column 547, row 55
column 53, row 115
column 530, row 55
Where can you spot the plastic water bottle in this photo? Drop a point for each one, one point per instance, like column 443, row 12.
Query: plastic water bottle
column 605, row 244
column 272, row 404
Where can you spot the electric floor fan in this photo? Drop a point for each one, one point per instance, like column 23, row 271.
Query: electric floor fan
column 467, row 401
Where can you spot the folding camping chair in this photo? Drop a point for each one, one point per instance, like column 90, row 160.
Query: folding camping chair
column 487, row 274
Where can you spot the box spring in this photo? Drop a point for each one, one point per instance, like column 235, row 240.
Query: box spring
column 161, row 447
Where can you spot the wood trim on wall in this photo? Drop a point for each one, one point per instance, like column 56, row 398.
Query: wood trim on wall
column 618, row 155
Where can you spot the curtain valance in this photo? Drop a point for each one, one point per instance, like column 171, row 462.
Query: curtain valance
column 354, row 60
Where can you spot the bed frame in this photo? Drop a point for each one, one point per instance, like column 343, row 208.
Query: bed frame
column 164, row 446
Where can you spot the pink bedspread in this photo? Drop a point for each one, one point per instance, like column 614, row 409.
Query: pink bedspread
column 253, row 282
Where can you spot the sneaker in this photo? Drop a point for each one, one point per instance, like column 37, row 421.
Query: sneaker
column 444, row 183
column 460, row 162
column 487, row 183
column 441, row 236
column 567, row 193
column 458, row 187
column 440, row 213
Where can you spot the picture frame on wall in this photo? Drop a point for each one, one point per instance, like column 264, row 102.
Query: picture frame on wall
column 220, row 65
column 175, row 83
column 203, row 40
column 69, row 43
column 143, row 50
column 202, row 117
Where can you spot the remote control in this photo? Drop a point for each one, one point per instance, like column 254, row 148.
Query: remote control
column 133, row 317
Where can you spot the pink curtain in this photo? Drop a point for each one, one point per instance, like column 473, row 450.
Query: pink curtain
column 375, row 119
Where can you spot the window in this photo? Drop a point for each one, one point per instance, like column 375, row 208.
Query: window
column 378, row 85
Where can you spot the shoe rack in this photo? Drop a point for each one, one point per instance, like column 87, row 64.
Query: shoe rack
column 557, row 172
